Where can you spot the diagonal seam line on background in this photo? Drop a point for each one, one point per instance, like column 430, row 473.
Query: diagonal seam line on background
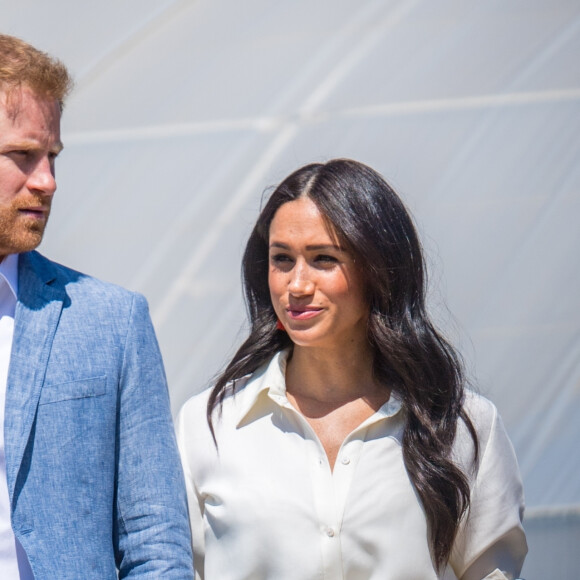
column 161, row 16
column 279, row 143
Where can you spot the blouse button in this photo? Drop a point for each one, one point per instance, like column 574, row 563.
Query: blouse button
column 345, row 461
column 330, row 532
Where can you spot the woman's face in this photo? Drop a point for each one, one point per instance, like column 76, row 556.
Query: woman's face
column 316, row 288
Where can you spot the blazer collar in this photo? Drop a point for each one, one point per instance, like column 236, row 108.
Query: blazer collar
column 40, row 302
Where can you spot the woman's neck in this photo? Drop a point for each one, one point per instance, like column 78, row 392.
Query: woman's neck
column 332, row 376
column 334, row 391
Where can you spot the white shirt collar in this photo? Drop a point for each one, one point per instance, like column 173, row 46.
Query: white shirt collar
column 271, row 380
column 268, row 379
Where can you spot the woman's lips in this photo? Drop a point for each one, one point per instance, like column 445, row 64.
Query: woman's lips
column 303, row 313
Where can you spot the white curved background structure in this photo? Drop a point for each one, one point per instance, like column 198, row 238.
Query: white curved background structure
column 185, row 111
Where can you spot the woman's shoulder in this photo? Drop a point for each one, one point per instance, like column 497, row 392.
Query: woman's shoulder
column 236, row 395
column 482, row 412
column 196, row 435
column 197, row 405
column 191, row 421
column 486, row 422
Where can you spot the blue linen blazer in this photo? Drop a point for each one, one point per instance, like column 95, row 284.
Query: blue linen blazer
column 93, row 472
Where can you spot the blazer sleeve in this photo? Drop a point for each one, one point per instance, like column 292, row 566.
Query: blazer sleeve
column 152, row 537
column 491, row 542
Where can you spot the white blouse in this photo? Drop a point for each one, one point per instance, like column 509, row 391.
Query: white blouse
column 266, row 505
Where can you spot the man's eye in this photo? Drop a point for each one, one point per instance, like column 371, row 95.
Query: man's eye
column 22, row 156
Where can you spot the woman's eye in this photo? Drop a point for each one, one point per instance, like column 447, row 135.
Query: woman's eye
column 325, row 259
column 280, row 258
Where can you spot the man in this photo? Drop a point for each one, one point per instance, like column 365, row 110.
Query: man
column 90, row 479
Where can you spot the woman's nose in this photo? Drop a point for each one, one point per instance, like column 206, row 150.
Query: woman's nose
column 301, row 281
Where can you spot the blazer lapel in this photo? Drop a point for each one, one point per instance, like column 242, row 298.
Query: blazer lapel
column 40, row 301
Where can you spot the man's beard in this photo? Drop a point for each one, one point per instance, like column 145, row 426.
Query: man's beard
column 18, row 233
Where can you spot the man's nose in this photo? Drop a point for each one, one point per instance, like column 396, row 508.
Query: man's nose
column 42, row 178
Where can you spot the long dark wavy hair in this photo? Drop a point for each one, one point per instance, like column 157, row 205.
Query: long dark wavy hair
column 409, row 355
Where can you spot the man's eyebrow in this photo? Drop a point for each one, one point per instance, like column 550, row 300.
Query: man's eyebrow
column 32, row 145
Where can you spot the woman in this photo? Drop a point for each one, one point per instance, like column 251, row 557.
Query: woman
column 339, row 441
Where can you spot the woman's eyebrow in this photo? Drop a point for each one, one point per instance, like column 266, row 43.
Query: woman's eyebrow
column 310, row 247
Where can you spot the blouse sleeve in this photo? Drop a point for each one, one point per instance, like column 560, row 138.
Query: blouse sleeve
column 491, row 542
column 184, row 441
